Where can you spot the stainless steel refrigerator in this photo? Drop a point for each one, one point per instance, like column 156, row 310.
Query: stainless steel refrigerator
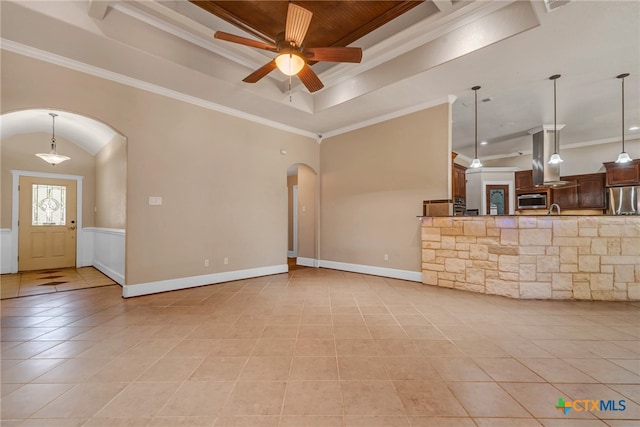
column 624, row 200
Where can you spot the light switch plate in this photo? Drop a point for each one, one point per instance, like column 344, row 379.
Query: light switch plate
column 155, row 200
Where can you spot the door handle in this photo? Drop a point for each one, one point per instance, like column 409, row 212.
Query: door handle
column 73, row 227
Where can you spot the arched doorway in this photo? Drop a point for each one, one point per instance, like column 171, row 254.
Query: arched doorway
column 98, row 166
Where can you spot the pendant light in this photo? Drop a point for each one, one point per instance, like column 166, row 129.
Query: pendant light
column 555, row 157
column 52, row 157
column 623, row 157
column 476, row 161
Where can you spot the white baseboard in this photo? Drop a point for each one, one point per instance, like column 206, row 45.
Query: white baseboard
column 414, row 276
column 307, row 262
column 194, row 281
column 109, row 272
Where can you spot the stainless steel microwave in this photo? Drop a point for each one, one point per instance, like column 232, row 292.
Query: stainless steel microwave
column 532, row 201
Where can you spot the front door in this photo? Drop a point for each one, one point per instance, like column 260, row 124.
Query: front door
column 47, row 223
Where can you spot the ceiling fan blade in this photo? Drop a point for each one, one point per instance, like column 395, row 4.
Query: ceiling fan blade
column 260, row 72
column 333, row 54
column 298, row 20
column 221, row 35
column 310, row 79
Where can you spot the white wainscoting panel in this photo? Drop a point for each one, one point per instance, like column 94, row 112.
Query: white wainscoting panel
column 5, row 250
column 86, row 257
column 109, row 252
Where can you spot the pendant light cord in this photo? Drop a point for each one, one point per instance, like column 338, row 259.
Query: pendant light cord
column 555, row 121
column 476, row 124
column 53, row 131
column 475, row 90
column 623, row 76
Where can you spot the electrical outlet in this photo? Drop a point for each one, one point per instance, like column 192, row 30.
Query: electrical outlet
column 226, row 261
column 206, row 262
column 386, row 257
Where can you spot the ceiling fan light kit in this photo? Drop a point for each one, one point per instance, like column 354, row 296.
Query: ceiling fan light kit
column 293, row 57
column 289, row 64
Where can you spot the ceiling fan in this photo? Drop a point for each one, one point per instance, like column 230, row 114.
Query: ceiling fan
column 293, row 57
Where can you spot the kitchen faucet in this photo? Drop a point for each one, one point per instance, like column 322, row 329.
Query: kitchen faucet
column 551, row 208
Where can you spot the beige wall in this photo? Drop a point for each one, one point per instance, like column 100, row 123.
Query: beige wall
column 307, row 218
column 111, row 184
column 18, row 153
column 372, row 185
column 222, row 179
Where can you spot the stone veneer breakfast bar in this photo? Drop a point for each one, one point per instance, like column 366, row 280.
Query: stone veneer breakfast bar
column 544, row 257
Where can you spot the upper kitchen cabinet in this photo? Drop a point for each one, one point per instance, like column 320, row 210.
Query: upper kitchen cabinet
column 588, row 193
column 459, row 181
column 619, row 174
column 524, row 179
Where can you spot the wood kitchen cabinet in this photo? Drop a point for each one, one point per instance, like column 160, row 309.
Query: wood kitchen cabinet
column 524, row 179
column 589, row 193
column 459, row 181
column 623, row 173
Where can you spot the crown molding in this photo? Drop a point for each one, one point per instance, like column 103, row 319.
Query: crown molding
column 62, row 61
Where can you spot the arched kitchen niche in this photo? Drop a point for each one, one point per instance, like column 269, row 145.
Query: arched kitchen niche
column 99, row 166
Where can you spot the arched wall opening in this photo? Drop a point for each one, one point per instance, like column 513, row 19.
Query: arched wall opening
column 98, row 162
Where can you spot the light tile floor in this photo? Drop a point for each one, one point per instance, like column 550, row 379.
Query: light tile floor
column 50, row 281
column 315, row 348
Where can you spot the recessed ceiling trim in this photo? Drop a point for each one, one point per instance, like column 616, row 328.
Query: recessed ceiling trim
column 411, row 38
column 203, row 36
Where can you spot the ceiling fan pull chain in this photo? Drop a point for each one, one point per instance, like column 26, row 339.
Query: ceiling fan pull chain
column 290, row 97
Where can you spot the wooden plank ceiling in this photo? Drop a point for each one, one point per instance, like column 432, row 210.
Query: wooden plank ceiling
column 334, row 23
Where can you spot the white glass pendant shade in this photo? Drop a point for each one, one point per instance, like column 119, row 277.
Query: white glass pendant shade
column 53, row 158
column 555, row 159
column 623, row 158
column 475, row 163
column 290, row 64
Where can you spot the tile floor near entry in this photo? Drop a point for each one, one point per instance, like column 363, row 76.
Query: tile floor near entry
column 50, row 281
column 315, row 348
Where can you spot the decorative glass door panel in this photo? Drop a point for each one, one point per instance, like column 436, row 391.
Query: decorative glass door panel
column 497, row 199
column 49, row 206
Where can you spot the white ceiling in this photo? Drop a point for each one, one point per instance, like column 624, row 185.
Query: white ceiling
column 510, row 48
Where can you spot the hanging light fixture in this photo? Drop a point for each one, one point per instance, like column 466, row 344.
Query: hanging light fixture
column 555, row 157
column 623, row 157
column 475, row 163
column 52, row 157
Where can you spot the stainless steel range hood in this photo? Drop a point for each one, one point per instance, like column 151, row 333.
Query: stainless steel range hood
column 544, row 173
